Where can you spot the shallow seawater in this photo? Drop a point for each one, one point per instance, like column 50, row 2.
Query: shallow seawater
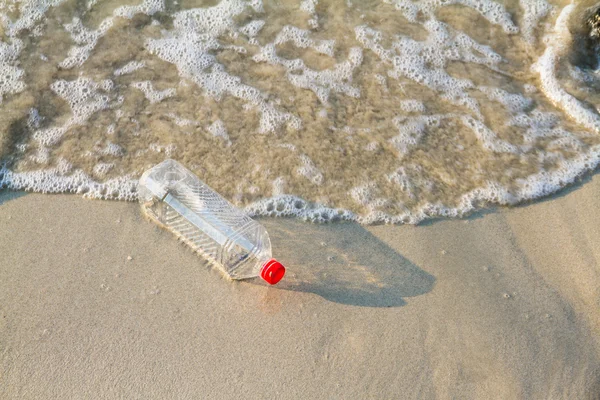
column 374, row 110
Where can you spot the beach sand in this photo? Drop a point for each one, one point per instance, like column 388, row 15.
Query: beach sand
column 96, row 302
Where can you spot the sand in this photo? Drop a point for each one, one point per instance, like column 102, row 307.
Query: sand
column 96, row 302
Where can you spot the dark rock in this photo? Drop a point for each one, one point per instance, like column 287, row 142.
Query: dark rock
column 594, row 24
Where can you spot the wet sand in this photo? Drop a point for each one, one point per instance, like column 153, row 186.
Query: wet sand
column 96, row 302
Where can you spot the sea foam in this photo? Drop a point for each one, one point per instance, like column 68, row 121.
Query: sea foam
column 390, row 112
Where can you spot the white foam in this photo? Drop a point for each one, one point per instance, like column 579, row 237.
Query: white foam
column 167, row 150
column 301, row 38
column 293, row 206
column 182, row 122
column 101, row 169
column 494, row 12
column 34, row 119
column 109, row 149
column 400, row 178
column 57, row 180
column 217, row 129
column 31, row 12
column 64, row 167
column 534, row 11
column 556, row 46
column 412, row 106
column 86, row 40
column 411, row 130
column 424, row 62
column 513, row 102
column 91, row 3
column 128, row 68
column 153, row 95
column 189, row 44
column 540, row 124
column 252, row 28
column 310, row 7
column 199, row 34
column 10, row 73
column 288, row 146
column 309, row 170
column 41, row 156
column 148, row 7
column 278, row 186
column 366, row 196
column 372, row 146
column 488, row 138
column 535, row 186
column 321, row 83
column 84, row 97
column 124, row 188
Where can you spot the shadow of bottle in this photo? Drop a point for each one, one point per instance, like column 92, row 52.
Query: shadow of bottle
column 344, row 263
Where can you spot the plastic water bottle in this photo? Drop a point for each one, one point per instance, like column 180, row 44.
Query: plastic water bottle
column 175, row 198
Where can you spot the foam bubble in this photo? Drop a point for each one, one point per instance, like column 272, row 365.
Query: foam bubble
column 217, row 129
column 411, row 130
column 556, row 45
column 534, row 10
column 101, row 169
column 540, row 124
column 494, row 12
column 153, row 95
column 309, row 170
column 301, row 38
column 10, row 73
column 182, row 122
column 55, row 180
column 424, row 62
column 167, row 150
column 322, row 83
column 109, row 149
column 400, row 177
column 310, row 7
column 326, row 97
column 252, row 28
column 148, row 7
column 412, row 106
column 489, row 139
column 84, row 97
column 372, row 146
column 513, row 102
column 189, row 45
column 128, row 68
column 31, row 12
column 294, row 206
column 367, row 196
column 86, row 40
column 278, row 186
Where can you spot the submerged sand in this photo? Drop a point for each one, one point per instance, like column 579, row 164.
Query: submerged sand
column 504, row 305
column 390, row 111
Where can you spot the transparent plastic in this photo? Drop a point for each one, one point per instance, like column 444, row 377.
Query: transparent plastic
column 178, row 200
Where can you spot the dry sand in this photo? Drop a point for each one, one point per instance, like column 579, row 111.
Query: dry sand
column 504, row 305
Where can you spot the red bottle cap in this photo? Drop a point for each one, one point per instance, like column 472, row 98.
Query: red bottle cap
column 272, row 271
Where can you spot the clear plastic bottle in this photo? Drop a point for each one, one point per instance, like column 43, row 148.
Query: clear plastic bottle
column 175, row 198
